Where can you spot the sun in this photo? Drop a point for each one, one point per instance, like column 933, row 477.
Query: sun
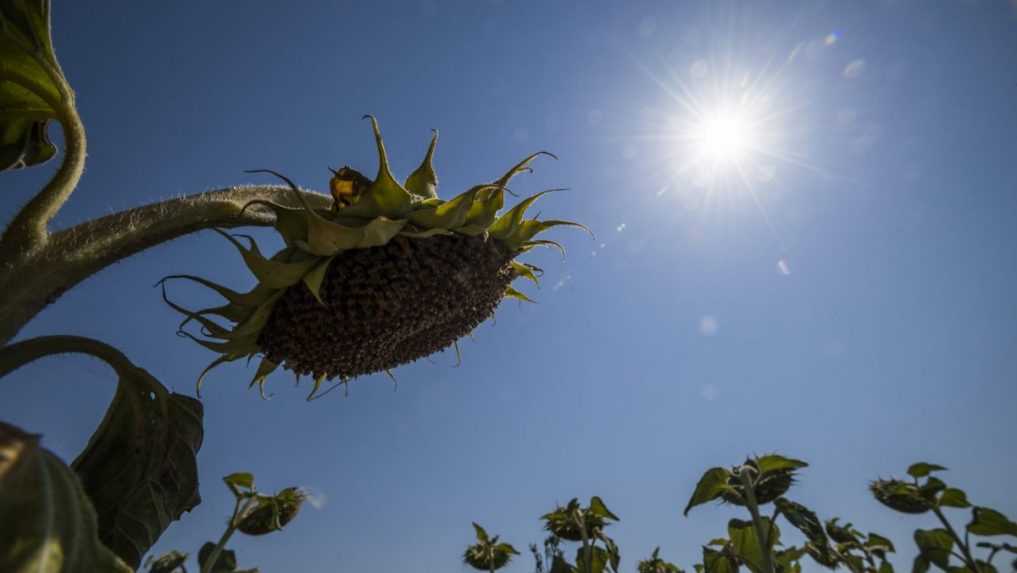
column 724, row 135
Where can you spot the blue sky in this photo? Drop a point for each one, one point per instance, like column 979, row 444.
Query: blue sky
column 850, row 301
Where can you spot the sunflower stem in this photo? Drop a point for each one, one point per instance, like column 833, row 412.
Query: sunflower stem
column 27, row 232
column 968, row 559
column 748, row 484
column 30, row 283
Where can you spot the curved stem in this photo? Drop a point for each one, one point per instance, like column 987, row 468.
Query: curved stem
column 28, row 232
column 17, row 355
column 72, row 255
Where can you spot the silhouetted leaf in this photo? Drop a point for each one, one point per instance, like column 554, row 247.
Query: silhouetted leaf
column 592, row 559
column 787, row 561
column 710, row 487
column 226, row 562
column 26, row 88
column 237, row 482
column 953, row 497
column 559, row 565
column 775, row 463
column 481, row 533
column 139, row 467
column 747, row 546
column 47, row 524
column 922, row 469
column 931, row 488
column 803, row 518
column 885, row 567
column 717, row 562
column 598, row 508
column 879, row 545
column 167, row 563
column 987, row 521
column 935, row 545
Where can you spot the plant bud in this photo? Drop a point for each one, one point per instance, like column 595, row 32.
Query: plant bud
column 273, row 512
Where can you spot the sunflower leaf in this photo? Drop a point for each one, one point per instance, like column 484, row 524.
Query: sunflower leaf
column 140, row 467
column 45, row 515
column 28, row 88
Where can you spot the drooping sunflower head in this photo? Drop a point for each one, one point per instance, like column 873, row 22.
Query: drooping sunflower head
column 391, row 273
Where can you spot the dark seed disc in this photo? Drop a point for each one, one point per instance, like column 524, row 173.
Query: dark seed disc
column 389, row 305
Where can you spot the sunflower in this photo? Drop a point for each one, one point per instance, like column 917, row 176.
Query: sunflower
column 390, row 274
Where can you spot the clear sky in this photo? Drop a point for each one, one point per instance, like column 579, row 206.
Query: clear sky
column 806, row 242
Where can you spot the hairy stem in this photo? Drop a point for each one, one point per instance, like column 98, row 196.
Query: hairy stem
column 72, row 255
column 27, row 232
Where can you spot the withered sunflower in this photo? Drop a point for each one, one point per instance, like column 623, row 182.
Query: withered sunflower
column 390, row 274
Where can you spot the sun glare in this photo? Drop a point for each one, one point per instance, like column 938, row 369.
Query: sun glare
column 724, row 136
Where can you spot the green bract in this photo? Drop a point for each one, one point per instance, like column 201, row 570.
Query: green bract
column 390, row 274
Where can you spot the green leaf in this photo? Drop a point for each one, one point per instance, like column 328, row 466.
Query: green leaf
column 953, row 497
column 710, row 487
column 876, row 542
column 922, row 469
column 935, row 545
column 167, row 563
column 787, row 561
column 598, row 508
column 920, row 565
column 226, row 562
column 240, row 481
column 28, row 92
column 559, row 565
column 774, row 463
column 885, row 567
column 481, row 533
column 140, row 466
column 717, row 562
column 423, row 182
column 987, row 521
column 931, row 488
column 802, row 518
column 592, row 559
column 747, row 546
column 47, row 524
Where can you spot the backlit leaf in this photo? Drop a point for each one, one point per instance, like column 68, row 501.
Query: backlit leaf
column 710, row 487
column 27, row 90
column 922, row 469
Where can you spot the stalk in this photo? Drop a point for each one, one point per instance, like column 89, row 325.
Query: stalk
column 757, row 521
column 968, row 559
